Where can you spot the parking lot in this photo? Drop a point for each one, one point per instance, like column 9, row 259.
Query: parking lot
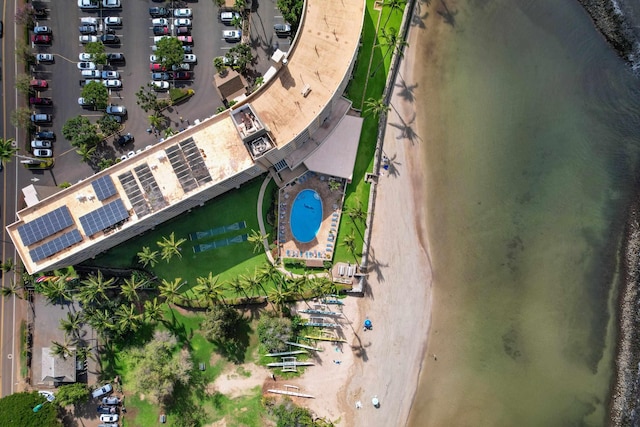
column 135, row 42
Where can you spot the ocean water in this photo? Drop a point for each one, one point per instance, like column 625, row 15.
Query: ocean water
column 533, row 153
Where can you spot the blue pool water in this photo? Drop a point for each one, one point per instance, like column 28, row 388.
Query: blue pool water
column 306, row 216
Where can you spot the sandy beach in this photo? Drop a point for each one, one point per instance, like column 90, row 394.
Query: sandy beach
column 386, row 362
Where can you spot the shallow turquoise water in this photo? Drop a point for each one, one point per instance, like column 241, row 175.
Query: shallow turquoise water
column 528, row 190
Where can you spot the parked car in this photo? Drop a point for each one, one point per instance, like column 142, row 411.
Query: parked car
column 109, row 39
column 282, row 30
column 88, row 4
column 160, row 76
column 111, row 4
column 232, row 35
column 88, row 39
column 178, row 67
column 38, row 143
column 40, row 101
column 86, row 66
column 41, row 39
column 156, row 67
column 113, row 21
column 182, row 22
column 115, row 58
column 48, row 395
column 91, row 74
column 85, row 57
column 45, row 135
column 87, row 20
column 227, row 17
column 42, row 152
column 185, row 39
column 158, row 12
column 112, row 83
column 108, row 424
column 39, row 84
column 159, row 85
column 189, row 58
column 1, row 34
column 109, row 418
column 87, row 29
column 160, row 31
column 83, row 102
column 113, row 400
column 87, row 81
column 160, row 21
column 187, row 49
column 106, row 75
column 105, row 389
column 156, row 39
column 182, row 75
column 116, row 110
column 41, row 30
column 44, row 57
column 106, row 409
column 182, row 13
column 154, row 59
column 122, row 141
column 41, row 118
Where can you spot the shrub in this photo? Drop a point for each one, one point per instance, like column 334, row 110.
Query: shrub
column 273, row 332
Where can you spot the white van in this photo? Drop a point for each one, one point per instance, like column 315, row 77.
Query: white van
column 91, row 74
column 227, row 17
column 88, row 21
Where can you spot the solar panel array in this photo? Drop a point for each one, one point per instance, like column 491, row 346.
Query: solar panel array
column 45, row 226
column 104, row 187
column 104, row 217
column 56, row 245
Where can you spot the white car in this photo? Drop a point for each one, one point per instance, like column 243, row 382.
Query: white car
column 84, row 102
column 86, row 20
column 109, row 418
column 88, row 39
column 110, row 75
column 38, row 143
column 189, row 58
column 183, row 22
column 154, row 59
column 159, row 85
column 162, row 22
column 44, row 57
column 84, row 57
column 86, row 66
column 232, row 35
column 88, row 4
column 99, row 392
column 42, row 152
column 111, row 3
column 113, row 21
column 156, row 39
column 112, row 83
column 182, row 13
column 90, row 74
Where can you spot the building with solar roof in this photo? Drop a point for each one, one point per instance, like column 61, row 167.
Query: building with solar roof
column 275, row 129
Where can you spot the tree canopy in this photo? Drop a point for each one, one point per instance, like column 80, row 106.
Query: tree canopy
column 96, row 94
column 273, row 332
column 80, row 131
column 71, row 394
column 17, row 410
column 291, row 11
column 170, row 52
column 220, row 323
column 97, row 50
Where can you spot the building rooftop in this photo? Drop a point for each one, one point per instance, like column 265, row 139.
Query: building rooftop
column 205, row 155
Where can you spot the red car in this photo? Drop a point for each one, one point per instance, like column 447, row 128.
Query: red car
column 182, row 75
column 186, row 39
column 40, row 101
column 41, row 84
column 157, row 67
column 41, row 39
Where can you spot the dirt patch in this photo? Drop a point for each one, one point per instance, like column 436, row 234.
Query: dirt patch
column 239, row 381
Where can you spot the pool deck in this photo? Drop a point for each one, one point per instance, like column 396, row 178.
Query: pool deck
column 323, row 245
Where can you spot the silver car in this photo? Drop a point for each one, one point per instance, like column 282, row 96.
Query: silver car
column 37, row 143
column 42, row 152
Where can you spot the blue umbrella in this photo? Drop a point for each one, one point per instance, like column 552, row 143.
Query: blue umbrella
column 367, row 324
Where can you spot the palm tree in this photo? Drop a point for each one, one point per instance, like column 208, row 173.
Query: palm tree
column 269, row 272
column 377, row 107
column 60, row 349
column 7, row 150
column 156, row 120
column 393, row 42
column 72, row 325
column 7, row 266
column 55, row 290
column 101, row 320
column 152, row 311
column 278, row 297
column 252, row 284
column 393, row 6
column 170, row 291
column 95, row 287
column 86, row 152
column 257, row 239
column 12, row 289
column 170, row 247
column 128, row 318
column 237, row 286
column 210, row 289
column 349, row 242
column 148, row 257
column 131, row 288
column 168, row 133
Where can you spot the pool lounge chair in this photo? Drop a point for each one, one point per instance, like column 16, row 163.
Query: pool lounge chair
column 341, row 270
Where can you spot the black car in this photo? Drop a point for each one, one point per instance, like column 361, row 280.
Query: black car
column 158, row 12
column 1, row 29
column 125, row 139
column 183, row 31
column 109, row 39
column 87, row 29
column 106, row 409
column 45, row 135
column 115, row 57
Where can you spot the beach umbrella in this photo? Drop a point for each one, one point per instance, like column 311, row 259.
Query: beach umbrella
column 375, row 401
column 367, row 324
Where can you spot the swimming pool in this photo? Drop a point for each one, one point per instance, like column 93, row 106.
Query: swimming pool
column 306, row 216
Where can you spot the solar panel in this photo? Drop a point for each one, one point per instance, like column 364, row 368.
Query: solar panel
column 104, row 187
column 45, row 226
column 56, row 245
column 104, row 217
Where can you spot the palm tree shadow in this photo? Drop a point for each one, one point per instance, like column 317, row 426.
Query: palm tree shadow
column 448, row 15
column 407, row 131
column 417, row 17
column 376, row 265
column 406, row 91
column 393, row 170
